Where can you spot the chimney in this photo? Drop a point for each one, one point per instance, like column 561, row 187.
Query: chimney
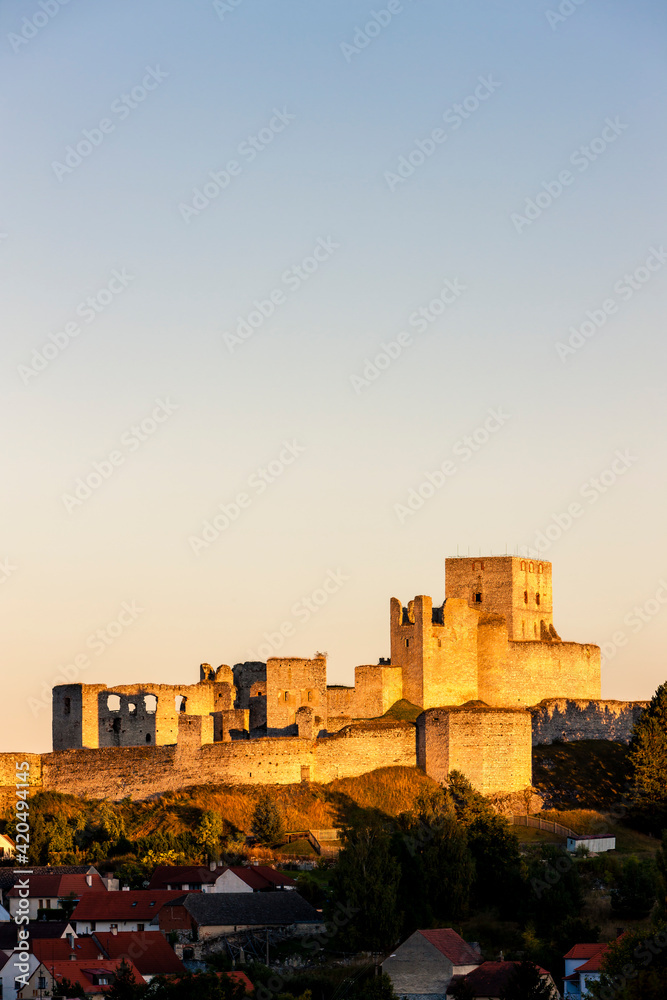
column 72, row 957
column 89, row 879
column 212, row 866
column 126, row 888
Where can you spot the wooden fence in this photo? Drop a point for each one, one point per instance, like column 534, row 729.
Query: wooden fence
column 537, row 823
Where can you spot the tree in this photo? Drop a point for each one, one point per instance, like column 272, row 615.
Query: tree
column 633, row 968
column 125, row 986
column 267, row 824
column 648, row 760
column 526, row 983
column 209, row 832
column 66, row 988
column 365, row 885
column 633, row 894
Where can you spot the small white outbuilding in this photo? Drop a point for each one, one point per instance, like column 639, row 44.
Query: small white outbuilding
column 596, row 843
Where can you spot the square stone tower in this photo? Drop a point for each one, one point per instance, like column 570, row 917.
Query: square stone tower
column 518, row 589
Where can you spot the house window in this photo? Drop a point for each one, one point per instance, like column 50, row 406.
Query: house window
column 132, row 708
column 540, row 568
column 537, row 598
column 478, row 598
column 310, row 696
column 286, row 695
column 407, row 643
column 531, row 567
column 47, row 904
column 93, row 925
column 116, row 725
column 41, row 983
column 523, row 565
column 525, row 597
column 67, row 706
column 148, row 737
column 523, row 629
column 140, row 927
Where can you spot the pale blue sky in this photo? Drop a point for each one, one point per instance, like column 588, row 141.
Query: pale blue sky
column 323, row 177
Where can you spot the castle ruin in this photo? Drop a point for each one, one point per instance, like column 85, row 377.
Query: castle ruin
column 487, row 669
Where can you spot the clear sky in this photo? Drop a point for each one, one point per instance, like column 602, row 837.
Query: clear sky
column 216, row 219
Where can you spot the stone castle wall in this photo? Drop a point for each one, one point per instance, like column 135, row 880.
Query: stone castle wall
column 491, row 746
column 139, row 772
column 584, row 719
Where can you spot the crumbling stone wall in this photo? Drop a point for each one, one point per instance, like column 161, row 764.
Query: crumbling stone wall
column 571, row 719
column 93, row 715
column 436, row 649
column 290, row 683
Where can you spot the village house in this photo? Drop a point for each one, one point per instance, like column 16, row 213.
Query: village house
column 489, row 980
column 50, row 892
column 425, row 964
column 95, row 976
column 220, row 878
column 201, row 919
column 9, row 972
column 129, row 910
column 582, row 967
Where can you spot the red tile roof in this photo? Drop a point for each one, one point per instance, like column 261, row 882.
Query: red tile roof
column 452, row 945
column 140, row 904
column 258, row 877
column 165, row 875
column 51, row 950
column 60, row 886
column 593, row 965
column 491, row 977
column 149, row 950
column 83, row 972
column 584, row 951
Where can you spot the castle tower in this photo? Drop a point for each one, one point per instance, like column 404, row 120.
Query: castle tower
column 518, row 589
